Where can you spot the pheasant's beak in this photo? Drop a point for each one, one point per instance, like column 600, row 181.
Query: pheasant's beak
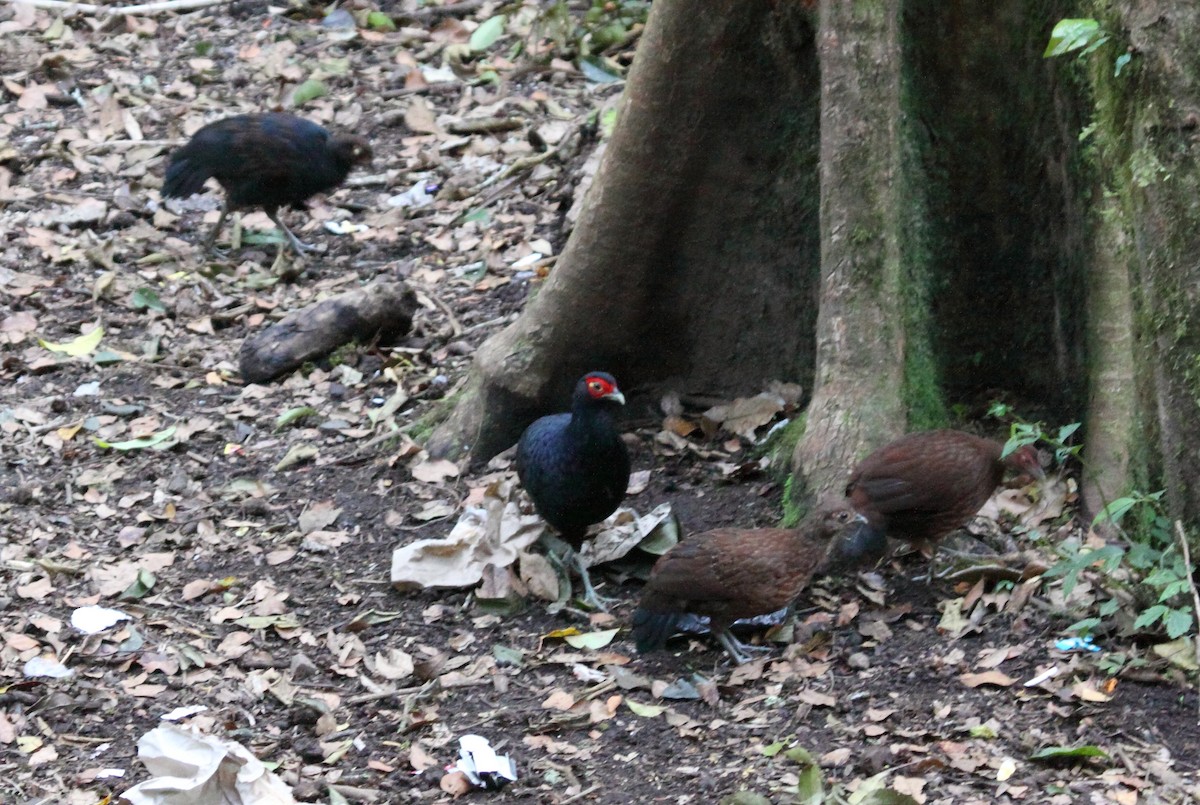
column 616, row 397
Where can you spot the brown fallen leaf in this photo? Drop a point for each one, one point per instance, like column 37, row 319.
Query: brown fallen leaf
column 558, row 699
column 420, row 759
column 816, row 699
column 455, row 784
column 1087, row 692
column 434, row 471
column 986, row 678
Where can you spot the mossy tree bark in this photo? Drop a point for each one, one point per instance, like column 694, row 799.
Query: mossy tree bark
column 1147, row 126
column 888, row 204
column 693, row 264
column 860, row 336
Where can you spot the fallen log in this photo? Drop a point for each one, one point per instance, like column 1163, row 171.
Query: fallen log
column 382, row 311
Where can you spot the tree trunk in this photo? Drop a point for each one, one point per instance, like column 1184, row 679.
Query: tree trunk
column 1149, row 130
column 693, row 263
column 890, row 205
column 860, row 334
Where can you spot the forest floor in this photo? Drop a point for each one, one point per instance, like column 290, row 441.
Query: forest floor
column 247, row 531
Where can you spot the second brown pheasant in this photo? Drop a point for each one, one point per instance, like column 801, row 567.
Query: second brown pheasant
column 732, row 573
column 925, row 485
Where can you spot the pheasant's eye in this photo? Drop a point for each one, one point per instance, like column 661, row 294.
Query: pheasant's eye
column 598, row 387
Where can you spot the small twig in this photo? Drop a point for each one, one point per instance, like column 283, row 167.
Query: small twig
column 374, row 440
column 391, row 118
column 513, row 171
column 489, row 323
column 518, row 166
column 1187, row 563
column 111, row 145
column 444, row 10
column 355, row 793
column 485, row 125
column 580, row 795
column 990, row 571
column 371, row 180
column 601, row 689
column 82, row 739
column 140, row 8
column 367, row 698
column 455, row 325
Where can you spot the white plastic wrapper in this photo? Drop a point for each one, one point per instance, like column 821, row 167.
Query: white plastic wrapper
column 94, row 620
column 483, row 767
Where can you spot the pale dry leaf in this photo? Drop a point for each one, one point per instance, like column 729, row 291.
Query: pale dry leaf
column 539, row 576
column 455, row 784
column 492, row 534
column 603, row 710
column 638, row 481
column 420, row 117
column 322, row 541
column 910, row 786
column 746, row 672
column 621, row 532
column 37, row 589
column 745, row 415
column 835, row 758
column 186, row 766
column 996, row 678
column 1087, row 692
column 318, row 516
column 434, row 471
column 280, row 556
column 816, row 699
column 42, row 756
column 394, row 664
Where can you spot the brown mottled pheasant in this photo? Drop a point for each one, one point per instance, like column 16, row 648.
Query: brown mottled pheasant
column 733, row 573
column 925, row 485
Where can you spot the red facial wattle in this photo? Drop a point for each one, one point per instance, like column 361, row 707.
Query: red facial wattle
column 599, row 388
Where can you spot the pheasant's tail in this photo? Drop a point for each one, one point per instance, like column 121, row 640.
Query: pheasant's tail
column 651, row 630
column 185, row 177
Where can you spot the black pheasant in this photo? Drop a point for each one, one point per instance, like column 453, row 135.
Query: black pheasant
column 263, row 160
column 575, row 466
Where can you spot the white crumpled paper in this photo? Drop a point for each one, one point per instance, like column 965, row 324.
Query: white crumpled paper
column 497, row 532
column 483, row 767
column 491, row 534
column 194, row 769
column 624, row 530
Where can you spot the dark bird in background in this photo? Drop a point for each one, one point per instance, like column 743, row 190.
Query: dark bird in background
column 268, row 161
column 925, row 485
column 575, row 466
column 733, row 573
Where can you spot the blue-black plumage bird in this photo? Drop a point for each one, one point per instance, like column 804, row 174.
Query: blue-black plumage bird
column 263, row 160
column 575, row 466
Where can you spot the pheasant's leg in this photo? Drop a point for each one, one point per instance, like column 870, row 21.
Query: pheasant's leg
column 564, row 557
column 297, row 244
column 933, row 553
column 590, row 596
column 739, row 651
column 210, row 243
